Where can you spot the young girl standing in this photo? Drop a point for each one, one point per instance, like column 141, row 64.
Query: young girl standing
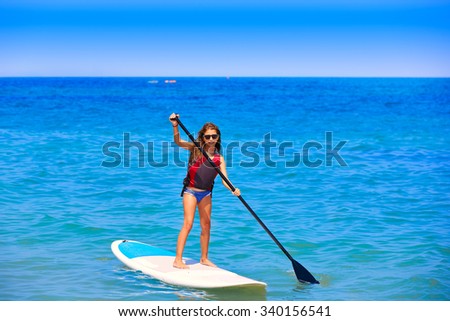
column 198, row 186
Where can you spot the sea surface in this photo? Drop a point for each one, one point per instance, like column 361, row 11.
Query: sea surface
column 351, row 175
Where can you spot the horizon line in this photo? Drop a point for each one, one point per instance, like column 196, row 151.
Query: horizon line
column 227, row 77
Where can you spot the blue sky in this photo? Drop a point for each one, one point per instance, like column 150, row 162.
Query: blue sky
column 341, row 38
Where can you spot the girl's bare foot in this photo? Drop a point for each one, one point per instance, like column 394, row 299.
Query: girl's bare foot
column 207, row 262
column 180, row 265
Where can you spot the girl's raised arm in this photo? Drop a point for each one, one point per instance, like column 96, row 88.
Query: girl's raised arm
column 176, row 134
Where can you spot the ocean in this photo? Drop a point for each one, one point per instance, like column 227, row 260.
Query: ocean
column 351, row 175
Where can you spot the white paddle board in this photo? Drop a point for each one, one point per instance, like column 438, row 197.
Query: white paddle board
column 157, row 263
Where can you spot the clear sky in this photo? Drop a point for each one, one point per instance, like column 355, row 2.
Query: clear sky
column 369, row 38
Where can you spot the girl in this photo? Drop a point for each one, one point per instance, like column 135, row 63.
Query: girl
column 198, row 186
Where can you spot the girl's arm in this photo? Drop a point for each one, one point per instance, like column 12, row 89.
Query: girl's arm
column 176, row 135
column 223, row 169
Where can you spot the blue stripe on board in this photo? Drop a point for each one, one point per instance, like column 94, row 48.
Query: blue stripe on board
column 135, row 249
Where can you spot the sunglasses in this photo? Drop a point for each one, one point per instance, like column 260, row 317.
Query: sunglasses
column 208, row 137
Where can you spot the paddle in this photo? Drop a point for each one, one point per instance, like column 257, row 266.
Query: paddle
column 303, row 275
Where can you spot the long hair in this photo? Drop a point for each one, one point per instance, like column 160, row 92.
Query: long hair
column 195, row 152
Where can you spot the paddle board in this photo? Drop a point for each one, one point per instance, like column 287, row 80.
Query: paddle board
column 157, row 263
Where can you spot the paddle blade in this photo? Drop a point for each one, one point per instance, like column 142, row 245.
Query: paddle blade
column 303, row 274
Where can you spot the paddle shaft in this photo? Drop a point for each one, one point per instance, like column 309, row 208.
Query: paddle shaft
column 226, row 180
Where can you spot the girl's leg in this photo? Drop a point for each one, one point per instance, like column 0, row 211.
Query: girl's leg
column 204, row 209
column 189, row 204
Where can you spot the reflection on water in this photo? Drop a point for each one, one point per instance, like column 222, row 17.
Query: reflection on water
column 237, row 293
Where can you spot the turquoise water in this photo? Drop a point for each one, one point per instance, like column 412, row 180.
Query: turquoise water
column 370, row 223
